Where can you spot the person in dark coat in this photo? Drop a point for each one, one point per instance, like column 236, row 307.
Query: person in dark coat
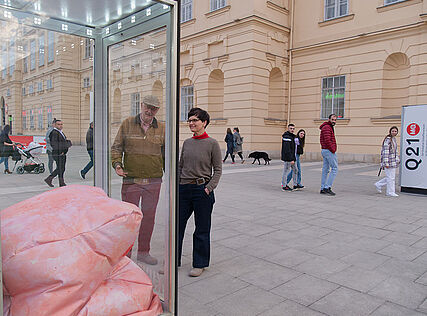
column 229, row 139
column 89, row 148
column 289, row 157
column 238, row 141
column 299, row 142
column 6, row 148
column 60, row 145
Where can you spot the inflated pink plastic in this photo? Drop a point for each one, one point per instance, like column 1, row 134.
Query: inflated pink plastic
column 64, row 252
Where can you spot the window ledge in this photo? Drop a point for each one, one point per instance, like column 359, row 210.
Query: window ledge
column 274, row 121
column 343, row 18
column 218, row 11
column 340, row 121
column 188, row 22
column 423, row 17
column 386, row 119
column 277, row 7
column 397, row 5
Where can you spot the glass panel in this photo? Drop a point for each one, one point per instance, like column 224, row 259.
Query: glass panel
column 137, row 108
column 40, row 92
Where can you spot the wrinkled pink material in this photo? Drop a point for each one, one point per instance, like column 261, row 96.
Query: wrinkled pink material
column 64, row 254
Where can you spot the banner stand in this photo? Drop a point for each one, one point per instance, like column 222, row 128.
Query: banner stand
column 413, row 147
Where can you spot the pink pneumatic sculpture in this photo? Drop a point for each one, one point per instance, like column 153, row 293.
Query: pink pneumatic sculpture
column 64, row 253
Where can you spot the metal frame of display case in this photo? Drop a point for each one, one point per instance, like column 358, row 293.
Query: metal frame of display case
column 155, row 15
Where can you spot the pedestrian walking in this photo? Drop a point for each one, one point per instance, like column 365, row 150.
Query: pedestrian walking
column 60, row 145
column 89, row 148
column 230, row 146
column 49, row 146
column 330, row 161
column 6, row 148
column 238, row 142
column 288, row 156
column 299, row 143
column 199, row 172
column 137, row 155
column 389, row 162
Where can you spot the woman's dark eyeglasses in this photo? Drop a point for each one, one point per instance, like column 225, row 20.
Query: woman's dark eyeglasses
column 193, row 120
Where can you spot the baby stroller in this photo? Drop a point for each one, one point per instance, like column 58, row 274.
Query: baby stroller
column 27, row 158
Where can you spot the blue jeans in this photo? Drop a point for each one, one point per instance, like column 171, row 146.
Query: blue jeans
column 193, row 198
column 6, row 162
column 90, row 163
column 298, row 173
column 330, row 162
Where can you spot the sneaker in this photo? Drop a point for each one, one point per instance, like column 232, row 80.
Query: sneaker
column 145, row 257
column 233, row 163
column 82, row 175
column 195, row 272
column 392, row 194
column 378, row 188
column 330, row 192
column 300, row 186
column 287, row 188
column 324, row 191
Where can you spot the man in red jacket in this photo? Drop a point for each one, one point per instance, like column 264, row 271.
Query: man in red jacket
column 330, row 161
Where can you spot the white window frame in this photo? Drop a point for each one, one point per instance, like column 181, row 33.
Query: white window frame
column 336, row 5
column 12, row 58
column 49, row 115
column 41, row 50
column 40, row 119
column 86, row 82
column 4, row 62
column 24, row 91
column 32, row 126
column 40, row 86
column 24, row 119
column 51, row 46
column 32, row 54
column 135, row 103
column 49, row 84
column 187, row 101
column 186, row 10
column 333, row 88
column 218, row 4
column 25, row 59
column 88, row 48
column 31, row 89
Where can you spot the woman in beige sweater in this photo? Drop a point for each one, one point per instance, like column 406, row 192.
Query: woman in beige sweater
column 199, row 169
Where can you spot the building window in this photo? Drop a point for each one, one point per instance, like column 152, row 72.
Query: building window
column 49, row 84
column 49, row 116
column 41, row 50
column 392, row 1
column 24, row 120
column 134, row 106
column 40, row 86
column 335, row 8
column 4, row 62
column 8, row 92
column 187, row 98
column 186, row 10
column 23, row 91
column 31, row 89
column 86, row 82
column 217, row 4
column 88, row 44
column 32, row 54
column 40, row 119
column 25, row 59
column 333, row 93
column 11, row 59
column 51, row 46
column 31, row 119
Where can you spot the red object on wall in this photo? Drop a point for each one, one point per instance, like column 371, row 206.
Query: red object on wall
column 25, row 140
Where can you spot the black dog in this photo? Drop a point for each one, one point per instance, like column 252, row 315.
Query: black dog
column 257, row 155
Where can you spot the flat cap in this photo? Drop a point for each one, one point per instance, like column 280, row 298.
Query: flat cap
column 151, row 100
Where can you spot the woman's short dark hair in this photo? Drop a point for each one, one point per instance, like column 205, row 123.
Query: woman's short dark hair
column 6, row 129
column 237, row 129
column 200, row 114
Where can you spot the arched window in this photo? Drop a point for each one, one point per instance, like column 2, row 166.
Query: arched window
column 276, row 94
column 395, row 87
column 216, row 94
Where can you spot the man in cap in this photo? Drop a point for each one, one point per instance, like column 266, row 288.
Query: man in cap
column 137, row 156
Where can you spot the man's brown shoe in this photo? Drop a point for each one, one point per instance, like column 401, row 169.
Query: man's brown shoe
column 48, row 180
column 145, row 257
column 195, row 272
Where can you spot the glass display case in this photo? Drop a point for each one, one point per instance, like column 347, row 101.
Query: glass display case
column 110, row 63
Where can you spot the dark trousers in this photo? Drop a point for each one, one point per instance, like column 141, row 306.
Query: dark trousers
column 50, row 161
column 193, row 198
column 90, row 163
column 148, row 194
column 226, row 155
column 60, row 166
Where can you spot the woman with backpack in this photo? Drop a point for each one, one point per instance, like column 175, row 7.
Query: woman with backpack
column 238, row 141
column 299, row 142
column 389, row 162
column 230, row 145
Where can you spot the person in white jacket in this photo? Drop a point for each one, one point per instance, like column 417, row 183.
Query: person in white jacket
column 389, row 162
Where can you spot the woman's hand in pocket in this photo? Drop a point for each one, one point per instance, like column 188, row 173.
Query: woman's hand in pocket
column 207, row 191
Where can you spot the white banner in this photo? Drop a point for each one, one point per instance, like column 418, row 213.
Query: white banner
column 414, row 147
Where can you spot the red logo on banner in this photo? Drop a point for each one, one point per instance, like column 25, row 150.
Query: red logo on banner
column 413, row 129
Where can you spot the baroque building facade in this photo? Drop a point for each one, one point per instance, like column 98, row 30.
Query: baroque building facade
column 258, row 65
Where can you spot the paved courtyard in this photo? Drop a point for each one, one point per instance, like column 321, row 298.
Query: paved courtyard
column 295, row 253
